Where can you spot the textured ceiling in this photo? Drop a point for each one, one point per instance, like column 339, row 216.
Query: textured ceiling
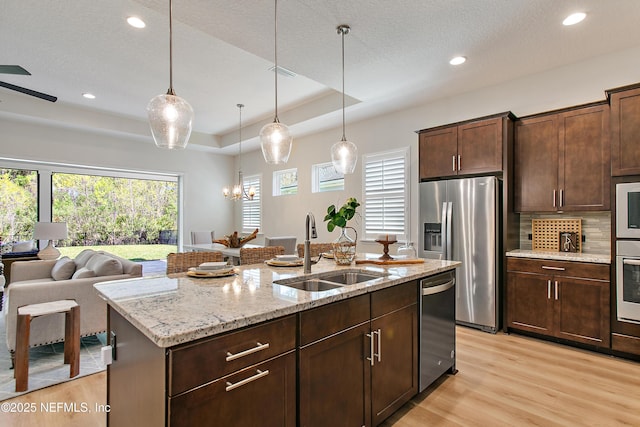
column 396, row 55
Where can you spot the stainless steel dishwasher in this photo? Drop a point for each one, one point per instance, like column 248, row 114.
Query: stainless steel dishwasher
column 437, row 327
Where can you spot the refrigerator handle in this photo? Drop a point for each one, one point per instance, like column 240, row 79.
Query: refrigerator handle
column 443, row 230
column 449, row 226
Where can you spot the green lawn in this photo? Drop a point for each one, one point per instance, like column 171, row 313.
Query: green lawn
column 132, row 252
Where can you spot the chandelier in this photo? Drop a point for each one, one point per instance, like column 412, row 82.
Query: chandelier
column 239, row 192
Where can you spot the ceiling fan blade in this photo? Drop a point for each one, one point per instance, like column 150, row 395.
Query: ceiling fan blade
column 13, row 69
column 29, row 92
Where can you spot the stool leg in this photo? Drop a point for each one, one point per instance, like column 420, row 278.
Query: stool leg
column 72, row 340
column 21, row 369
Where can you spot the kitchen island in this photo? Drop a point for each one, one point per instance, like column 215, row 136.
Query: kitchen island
column 249, row 350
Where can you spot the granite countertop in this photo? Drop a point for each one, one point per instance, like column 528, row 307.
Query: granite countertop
column 175, row 309
column 561, row 256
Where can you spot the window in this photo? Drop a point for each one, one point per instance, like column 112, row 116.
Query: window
column 325, row 177
column 386, row 198
column 285, row 182
column 251, row 210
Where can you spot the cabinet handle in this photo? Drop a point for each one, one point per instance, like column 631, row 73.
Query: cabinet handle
column 556, row 291
column 258, row 347
column 259, row 374
column 554, row 198
column 371, row 349
column 548, row 289
column 459, row 162
column 453, row 163
column 561, row 197
column 546, row 267
column 379, row 353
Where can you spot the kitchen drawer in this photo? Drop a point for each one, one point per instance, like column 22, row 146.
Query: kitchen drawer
column 583, row 270
column 394, row 298
column 195, row 364
column 332, row 318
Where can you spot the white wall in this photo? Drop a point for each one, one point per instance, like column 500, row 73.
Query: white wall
column 202, row 173
column 563, row 87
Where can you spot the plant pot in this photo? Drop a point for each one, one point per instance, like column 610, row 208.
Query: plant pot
column 344, row 247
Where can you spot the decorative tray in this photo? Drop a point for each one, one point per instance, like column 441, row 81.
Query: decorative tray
column 194, row 272
column 279, row 263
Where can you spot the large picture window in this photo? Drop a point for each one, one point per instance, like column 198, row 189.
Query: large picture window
column 386, row 196
column 19, row 212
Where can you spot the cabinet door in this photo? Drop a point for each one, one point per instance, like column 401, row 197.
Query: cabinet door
column 625, row 133
column 264, row 395
column 394, row 375
column 530, row 303
column 582, row 310
column 335, row 380
column 480, row 147
column 584, row 171
column 438, row 152
column 536, row 164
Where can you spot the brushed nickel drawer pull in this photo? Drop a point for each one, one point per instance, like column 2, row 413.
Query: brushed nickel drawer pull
column 548, row 289
column 556, row 290
column 258, row 375
column 453, row 163
column 554, row 198
column 379, row 354
column 546, row 267
column 258, row 347
column 371, row 348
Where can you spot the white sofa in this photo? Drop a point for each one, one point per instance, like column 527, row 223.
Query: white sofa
column 33, row 282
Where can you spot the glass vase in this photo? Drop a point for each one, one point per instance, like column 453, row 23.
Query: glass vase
column 344, row 247
column 407, row 251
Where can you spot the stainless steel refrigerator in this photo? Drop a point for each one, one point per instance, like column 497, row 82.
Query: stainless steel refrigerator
column 460, row 220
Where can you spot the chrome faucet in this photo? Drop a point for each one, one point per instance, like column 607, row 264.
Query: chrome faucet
column 310, row 221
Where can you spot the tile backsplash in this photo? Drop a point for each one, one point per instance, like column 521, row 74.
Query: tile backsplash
column 596, row 227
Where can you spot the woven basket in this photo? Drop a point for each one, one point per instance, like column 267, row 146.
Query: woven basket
column 259, row 255
column 182, row 261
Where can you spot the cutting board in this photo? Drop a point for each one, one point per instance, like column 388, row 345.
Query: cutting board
column 389, row 261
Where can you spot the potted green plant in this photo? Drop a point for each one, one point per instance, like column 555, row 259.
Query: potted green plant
column 344, row 247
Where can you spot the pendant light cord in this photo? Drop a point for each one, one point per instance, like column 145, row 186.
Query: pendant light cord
column 275, row 70
column 240, row 142
column 344, row 138
column 170, row 91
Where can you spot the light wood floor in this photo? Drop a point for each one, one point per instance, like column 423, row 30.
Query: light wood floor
column 503, row 380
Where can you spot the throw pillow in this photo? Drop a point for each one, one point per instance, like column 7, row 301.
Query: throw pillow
column 83, row 273
column 104, row 265
column 63, row 269
column 25, row 246
column 6, row 247
column 82, row 258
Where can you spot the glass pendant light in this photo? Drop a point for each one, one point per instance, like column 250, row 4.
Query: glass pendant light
column 170, row 117
column 275, row 138
column 239, row 192
column 344, row 153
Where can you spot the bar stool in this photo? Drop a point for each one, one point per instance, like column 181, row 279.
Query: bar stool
column 26, row 313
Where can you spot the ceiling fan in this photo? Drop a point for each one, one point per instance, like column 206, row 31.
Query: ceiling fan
column 16, row 69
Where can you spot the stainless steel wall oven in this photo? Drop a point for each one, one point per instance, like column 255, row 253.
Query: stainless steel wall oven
column 628, row 280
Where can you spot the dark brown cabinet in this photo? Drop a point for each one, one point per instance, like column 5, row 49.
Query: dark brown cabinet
column 562, row 161
column 362, row 367
column 625, row 131
column 568, row 300
column 466, row 148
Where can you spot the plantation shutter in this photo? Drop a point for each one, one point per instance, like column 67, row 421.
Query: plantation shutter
column 385, row 194
column 251, row 215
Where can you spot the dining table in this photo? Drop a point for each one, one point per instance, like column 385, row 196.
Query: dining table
column 232, row 254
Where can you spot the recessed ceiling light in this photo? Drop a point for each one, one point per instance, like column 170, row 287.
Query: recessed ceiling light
column 89, row 95
column 458, row 60
column 574, row 18
column 136, row 22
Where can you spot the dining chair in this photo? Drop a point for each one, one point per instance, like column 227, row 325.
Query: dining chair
column 199, row 237
column 181, row 261
column 258, row 255
column 289, row 243
column 315, row 248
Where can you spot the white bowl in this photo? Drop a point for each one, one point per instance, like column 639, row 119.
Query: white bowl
column 212, row 265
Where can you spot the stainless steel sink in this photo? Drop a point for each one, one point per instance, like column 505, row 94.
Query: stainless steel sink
column 329, row 280
column 310, row 285
column 349, row 277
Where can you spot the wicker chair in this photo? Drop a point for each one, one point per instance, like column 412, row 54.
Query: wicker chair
column 180, row 262
column 315, row 248
column 258, row 255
